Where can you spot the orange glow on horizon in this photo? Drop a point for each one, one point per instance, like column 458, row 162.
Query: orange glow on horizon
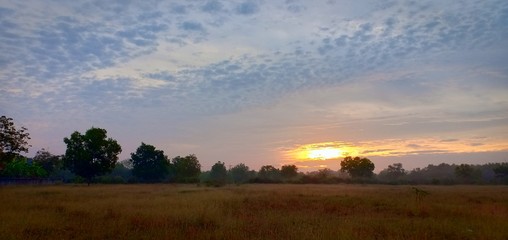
column 322, row 151
column 391, row 147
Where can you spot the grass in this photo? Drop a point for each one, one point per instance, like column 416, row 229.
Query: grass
column 161, row 211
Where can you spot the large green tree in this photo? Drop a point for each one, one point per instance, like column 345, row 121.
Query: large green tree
column 12, row 141
column 357, row 167
column 185, row 169
column 149, row 164
column 91, row 154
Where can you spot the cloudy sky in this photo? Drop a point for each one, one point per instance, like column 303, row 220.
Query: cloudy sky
column 263, row 82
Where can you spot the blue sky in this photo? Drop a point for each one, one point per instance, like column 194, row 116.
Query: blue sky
column 252, row 82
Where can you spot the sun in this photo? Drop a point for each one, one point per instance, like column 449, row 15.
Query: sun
column 324, row 153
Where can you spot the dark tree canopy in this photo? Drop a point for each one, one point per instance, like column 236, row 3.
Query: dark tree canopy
column 357, row 167
column 91, row 154
column 218, row 174
column 240, row 173
column 185, row 169
column 289, row 171
column 393, row 172
column 49, row 162
column 149, row 164
column 269, row 173
column 464, row 171
column 12, row 141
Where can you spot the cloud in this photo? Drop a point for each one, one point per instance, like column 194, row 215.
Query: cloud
column 179, row 9
column 247, row 8
column 212, row 6
column 192, row 26
column 366, row 69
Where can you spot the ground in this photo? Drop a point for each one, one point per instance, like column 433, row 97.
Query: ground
column 278, row 211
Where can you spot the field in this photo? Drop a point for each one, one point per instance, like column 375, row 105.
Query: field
column 163, row 211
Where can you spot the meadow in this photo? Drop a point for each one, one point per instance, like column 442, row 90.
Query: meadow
column 278, row 211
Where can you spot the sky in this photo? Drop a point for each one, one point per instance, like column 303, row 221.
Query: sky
column 263, row 82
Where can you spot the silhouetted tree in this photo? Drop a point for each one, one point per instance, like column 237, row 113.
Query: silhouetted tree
column 394, row 172
column 218, row 174
column 433, row 174
column 91, row 154
column 289, row 171
column 357, row 167
column 185, row 169
column 467, row 173
column 501, row 172
column 12, row 141
column 49, row 162
column 149, row 164
column 269, row 173
column 241, row 173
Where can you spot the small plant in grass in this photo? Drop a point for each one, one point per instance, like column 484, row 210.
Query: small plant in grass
column 419, row 194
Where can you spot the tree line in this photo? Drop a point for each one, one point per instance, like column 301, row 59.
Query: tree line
column 93, row 157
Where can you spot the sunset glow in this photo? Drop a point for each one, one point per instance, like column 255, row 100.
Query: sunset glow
column 390, row 148
column 325, row 153
column 322, row 151
column 263, row 82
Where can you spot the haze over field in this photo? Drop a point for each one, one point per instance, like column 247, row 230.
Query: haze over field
column 263, row 82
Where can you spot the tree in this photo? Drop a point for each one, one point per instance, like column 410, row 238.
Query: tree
column 49, row 162
column 501, row 172
column 393, row 173
column 91, row 154
column 240, row 173
column 269, row 173
column 149, row 164
column 289, row 171
column 357, row 167
column 467, row 173
column 22, row 167
column 218, row 174
column 12, row 141
column 185, row 169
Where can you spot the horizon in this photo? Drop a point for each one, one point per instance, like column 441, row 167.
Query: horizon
column 263, row 82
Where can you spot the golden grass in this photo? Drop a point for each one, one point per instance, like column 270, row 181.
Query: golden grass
column 163, row 211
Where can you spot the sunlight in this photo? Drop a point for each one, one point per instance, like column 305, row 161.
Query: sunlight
column 324, row 153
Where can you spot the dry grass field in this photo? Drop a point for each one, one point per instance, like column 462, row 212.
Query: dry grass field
column 163, row 211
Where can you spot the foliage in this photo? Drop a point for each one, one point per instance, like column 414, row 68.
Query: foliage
column 49, row 162
column 121, row 170
column 433, row 174
column 501, row 172
column 467, row 173
column 149, row 164
column 91, row 154
column 20, row 167
column 394, row 172
column 185, row 169
column 12, row 141
column 357, row 167
column 240, row 173
column 289, row 172
column 218, row 175
column 269, row 173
